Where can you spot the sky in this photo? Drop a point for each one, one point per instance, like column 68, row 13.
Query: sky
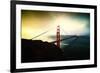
column 36, row 22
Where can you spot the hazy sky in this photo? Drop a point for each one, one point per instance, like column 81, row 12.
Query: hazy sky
column 36, row 22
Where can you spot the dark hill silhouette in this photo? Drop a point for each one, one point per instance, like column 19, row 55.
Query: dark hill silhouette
column 37, row 51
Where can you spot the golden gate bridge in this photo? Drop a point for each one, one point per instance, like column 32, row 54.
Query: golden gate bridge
column 58, row 37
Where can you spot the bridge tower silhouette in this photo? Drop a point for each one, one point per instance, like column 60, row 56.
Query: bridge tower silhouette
column 58, row 36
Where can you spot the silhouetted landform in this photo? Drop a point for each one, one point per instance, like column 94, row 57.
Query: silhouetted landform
column 38, row 51
column 71, row 49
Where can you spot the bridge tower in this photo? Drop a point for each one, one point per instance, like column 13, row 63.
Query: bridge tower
column 58, row 36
